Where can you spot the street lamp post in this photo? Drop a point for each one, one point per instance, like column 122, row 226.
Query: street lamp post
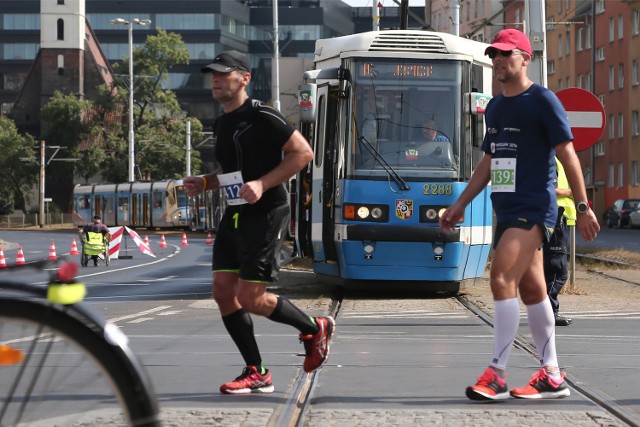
column 129, row 24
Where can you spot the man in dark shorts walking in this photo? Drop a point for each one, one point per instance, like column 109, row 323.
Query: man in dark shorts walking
column 251, row 139
column 526, row 126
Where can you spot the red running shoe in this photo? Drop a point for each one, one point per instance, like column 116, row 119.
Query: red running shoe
column 251, row 381
column 317, row 346
column 543, row 386
column 489, row 387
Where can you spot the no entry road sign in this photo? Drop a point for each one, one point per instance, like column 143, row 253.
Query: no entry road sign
column 586, row 116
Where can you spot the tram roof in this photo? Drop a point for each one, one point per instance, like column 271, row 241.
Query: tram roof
column 398, row 42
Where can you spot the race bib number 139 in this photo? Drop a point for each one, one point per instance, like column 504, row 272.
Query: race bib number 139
column 231, row 183
column 503, row 175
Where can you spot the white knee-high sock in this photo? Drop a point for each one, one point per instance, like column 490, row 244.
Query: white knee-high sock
column 543, row 329
column 506, row 322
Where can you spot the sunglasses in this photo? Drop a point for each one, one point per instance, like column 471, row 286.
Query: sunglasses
column 504, row 53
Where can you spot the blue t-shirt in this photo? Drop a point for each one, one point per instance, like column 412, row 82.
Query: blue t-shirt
column 527, row 127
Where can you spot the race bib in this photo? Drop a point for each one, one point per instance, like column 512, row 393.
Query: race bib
column 230, row 184
column 503, row 175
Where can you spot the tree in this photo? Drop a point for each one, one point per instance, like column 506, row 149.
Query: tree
column 67, row 126
column 159, row 123
column 96, row 131
column 18, row 168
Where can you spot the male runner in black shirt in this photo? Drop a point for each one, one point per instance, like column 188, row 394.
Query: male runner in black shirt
column 251, row 140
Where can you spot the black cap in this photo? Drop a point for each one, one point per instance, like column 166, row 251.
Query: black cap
column 228, row 61
column 97, row 217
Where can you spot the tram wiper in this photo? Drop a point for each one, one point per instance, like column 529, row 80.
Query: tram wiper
column 387, row 167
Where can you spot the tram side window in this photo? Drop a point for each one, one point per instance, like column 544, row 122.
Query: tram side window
column 83, row 203
column 123, row 204
column 157, row 199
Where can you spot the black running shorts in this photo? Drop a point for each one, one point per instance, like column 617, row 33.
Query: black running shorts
column 249, row 243
column 501, row 227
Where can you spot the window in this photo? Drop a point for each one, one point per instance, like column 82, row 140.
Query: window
column 620, row 27
column 559, row 84
column 612, row 78
column 635, row 22
column 620, row 175
column 560, row 46
column 551, row 67
column 620, row 125
column 600, row 54
column 635, row 72
column 620, row 76
column 602, row 99
column 60, row 1
column 589, row 85
column 579, row 81
column 588, row 176
column 60, row 29
column 635, row 173
column 599, row 149
column 579, row 37
column 612, row 30
column 611, row 126
column 587, row 40
column 599, row 6
column 635, row 126
column 610, row 181
column 567, row 43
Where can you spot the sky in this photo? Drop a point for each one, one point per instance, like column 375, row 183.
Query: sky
column 385, row 3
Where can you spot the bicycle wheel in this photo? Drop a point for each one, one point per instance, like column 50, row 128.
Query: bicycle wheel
column 74, row 371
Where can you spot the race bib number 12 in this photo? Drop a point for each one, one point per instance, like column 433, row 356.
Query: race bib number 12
column 230, row 184
column 503, row 175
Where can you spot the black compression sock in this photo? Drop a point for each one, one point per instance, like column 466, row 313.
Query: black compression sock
column 287, row 313
column 240, row 328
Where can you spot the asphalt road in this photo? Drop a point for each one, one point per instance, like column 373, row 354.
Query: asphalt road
column 396, row 358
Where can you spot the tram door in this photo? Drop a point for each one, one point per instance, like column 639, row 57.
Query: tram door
column 323, row 178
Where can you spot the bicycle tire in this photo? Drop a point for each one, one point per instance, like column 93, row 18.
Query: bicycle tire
column 111, row 384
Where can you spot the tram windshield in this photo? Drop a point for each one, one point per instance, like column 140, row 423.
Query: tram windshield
column 405, row 117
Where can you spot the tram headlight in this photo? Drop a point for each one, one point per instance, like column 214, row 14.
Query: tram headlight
column 431, row 214
column 363, row 212
column 366, row 212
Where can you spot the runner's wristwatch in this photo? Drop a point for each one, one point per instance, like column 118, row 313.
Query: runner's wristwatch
column 582, row 207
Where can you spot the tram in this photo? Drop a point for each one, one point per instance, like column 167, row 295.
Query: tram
column 367, row 207
column 159, row 204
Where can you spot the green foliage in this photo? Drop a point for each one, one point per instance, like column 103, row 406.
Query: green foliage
column 18, row 167
column 97, row 131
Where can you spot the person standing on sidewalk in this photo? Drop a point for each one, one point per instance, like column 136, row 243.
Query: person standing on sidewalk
column 525, row 124
column 555, row 250
column 251, row 138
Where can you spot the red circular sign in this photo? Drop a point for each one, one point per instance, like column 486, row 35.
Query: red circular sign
column 586, row 116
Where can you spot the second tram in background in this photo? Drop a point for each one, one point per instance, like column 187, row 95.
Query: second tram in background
column 395, row 121
column 160, row 204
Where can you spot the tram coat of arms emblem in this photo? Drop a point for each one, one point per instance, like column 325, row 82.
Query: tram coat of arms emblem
column 404, row 208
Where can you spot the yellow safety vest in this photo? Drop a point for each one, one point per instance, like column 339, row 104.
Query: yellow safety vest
column 567, row 203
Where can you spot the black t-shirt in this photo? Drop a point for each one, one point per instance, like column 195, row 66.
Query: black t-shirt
column 250, row 140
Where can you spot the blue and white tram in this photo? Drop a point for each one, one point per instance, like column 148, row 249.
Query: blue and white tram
column 369, row 203
column 161, row 204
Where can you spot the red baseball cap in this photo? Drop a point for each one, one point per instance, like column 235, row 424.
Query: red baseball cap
column 510, row 39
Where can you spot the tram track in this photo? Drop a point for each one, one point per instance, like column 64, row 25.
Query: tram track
column 598, row 397
column 291, row 413
column 296, row 409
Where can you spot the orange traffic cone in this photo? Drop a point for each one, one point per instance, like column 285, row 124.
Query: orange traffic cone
column 74, row 248
column 209, row 239
column 52, row 252
column 3, row 263
column 163, row 243
column 146, row 240
column 184, row 240
column 20, row 257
